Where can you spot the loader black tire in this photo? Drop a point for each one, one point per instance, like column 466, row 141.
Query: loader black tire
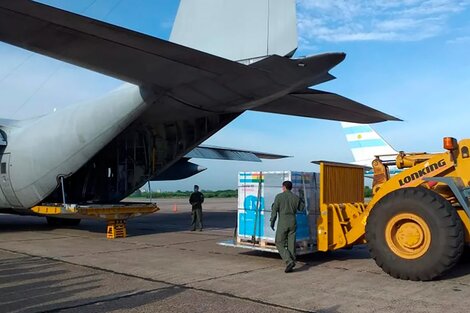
column 440, row 219
column 465, row 259
column 62, row 222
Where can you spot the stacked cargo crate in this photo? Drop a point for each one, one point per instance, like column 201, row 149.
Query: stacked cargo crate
column 256, row 193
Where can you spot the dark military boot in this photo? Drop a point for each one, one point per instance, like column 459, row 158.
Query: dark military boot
column 289, row 267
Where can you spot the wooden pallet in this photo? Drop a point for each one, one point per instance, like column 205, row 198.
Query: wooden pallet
column 304, row 245
column 264, row 243
column 260, row 242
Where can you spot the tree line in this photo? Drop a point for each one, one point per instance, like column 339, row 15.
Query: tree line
column 229, row 193
column 186, row 194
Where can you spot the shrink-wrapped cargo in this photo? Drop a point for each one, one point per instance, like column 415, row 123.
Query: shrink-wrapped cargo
column 256, row 193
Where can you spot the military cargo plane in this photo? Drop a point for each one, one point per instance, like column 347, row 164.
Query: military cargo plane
column 224, row 57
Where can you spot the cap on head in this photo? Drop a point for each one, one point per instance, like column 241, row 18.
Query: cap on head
column 287, row 184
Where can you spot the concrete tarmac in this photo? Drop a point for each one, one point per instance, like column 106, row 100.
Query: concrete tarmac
column 163, row 267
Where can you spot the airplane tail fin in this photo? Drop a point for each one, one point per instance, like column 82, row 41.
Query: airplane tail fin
column 241, row 30
column 365, row 143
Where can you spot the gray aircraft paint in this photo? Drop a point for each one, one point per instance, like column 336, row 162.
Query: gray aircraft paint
column 242, row 30
column 60, row 143
column 188, row 95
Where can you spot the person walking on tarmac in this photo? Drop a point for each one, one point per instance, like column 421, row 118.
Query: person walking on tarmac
column 286, row 205
column 196, row 199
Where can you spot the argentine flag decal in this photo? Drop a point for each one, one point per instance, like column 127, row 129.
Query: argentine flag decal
column 365, row 143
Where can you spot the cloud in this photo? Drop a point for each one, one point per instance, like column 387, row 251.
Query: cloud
column 459, row 40
column 375, row 20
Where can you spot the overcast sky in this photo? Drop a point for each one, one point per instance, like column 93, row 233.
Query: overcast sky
column 408, row 58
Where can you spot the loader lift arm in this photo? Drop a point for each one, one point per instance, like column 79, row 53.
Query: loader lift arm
column 416, row 223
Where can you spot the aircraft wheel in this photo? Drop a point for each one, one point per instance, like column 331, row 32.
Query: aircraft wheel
column 60, row 222
column 415, row 234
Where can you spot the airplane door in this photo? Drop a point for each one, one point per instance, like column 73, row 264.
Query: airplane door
column 9, row 198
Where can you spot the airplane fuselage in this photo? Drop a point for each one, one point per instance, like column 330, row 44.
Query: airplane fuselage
column 58, row 144
column 104, row 150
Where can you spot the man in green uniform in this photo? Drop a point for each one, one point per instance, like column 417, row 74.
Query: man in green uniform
column 286, row 205
column 196, row 199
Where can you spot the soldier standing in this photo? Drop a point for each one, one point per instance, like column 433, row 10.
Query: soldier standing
column 286, row 205
column 196, row 199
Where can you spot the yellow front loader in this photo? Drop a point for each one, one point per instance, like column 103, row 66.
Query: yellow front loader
column 417, row 223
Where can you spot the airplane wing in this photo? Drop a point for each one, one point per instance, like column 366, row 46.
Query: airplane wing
column 183, row 168
column 324, row 105
column 219, row 153
column 193, row 78
column 102, row 47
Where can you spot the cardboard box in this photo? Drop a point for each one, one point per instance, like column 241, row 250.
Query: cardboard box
column 256, row 194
